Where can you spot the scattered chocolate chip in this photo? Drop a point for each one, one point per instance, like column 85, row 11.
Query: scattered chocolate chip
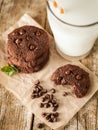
column 44, row 91
column 78, row 77
column 53, row 101
column 40, row 125
column 47, row 96
column 40, row 93
column 53, row 90
column 37, row 82
column 46, row 105
column 44, row 114
column 41, row 105
column 21, row 32
column 31, row 47
column 44, row 99
column 55, row 107
column 51, row 117
column 56, row 114
column 38, row 90
column 65, row 94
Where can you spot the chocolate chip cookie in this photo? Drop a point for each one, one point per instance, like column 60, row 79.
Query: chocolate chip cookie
column 74, row 76
column 28, row 48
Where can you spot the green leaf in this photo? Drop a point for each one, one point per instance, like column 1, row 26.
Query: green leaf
column 9, row 69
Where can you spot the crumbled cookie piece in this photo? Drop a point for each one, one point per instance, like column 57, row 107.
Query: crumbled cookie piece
column 74, row 76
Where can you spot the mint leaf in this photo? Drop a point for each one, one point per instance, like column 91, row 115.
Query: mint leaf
column 9, row 69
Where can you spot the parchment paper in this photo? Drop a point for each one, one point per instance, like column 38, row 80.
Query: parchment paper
column 21, row 85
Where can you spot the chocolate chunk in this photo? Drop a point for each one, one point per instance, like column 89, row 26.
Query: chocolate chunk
column 40, row 125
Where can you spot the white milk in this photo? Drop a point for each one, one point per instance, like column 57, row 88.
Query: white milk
column 71, row 40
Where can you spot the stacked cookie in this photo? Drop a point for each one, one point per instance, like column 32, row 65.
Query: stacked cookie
column 28, row 48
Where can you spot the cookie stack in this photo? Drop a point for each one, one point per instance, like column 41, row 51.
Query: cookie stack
column 28, row 48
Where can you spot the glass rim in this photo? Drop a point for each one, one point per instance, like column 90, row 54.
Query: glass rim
column 73, row 25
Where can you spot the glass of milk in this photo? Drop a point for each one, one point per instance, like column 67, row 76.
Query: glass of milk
column 74, row 24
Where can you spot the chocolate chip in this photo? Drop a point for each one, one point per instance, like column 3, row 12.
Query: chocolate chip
column 31, row 47
column 13, row 33
column 40, row 125
column 55, row 109
column 18, row 41
column 37, row 82
column 40, row 93
column 38, row 90
column 54, row 119
column 51, row 104
column 44, row 91
column 41, row 105
column 44, row 99
column 78, row 77
column 51, row 96
column 53, row 90
column 33, row 96
column 53, row 101
column 46, row 105
column 38, row 33
column 28, row 38
column 21, row 32
column 63, row 81
column 48, row 116
column 65, row 94
column 67, row 72
column 44, row 114
column 51, row 117
column 56, row 114
column 40, row 87
column 47, row 96
column 58, row 80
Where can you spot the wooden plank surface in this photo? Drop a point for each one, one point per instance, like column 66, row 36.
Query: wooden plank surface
column 14, row 116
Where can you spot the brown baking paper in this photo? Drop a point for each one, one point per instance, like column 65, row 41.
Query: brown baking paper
column 21, row 85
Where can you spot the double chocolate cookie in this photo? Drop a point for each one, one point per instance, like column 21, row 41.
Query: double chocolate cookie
column 28, row 48
column 72, row 75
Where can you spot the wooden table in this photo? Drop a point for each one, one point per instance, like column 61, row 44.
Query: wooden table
column 13, row 115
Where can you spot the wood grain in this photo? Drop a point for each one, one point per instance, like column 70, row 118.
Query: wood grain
column 14, row 116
